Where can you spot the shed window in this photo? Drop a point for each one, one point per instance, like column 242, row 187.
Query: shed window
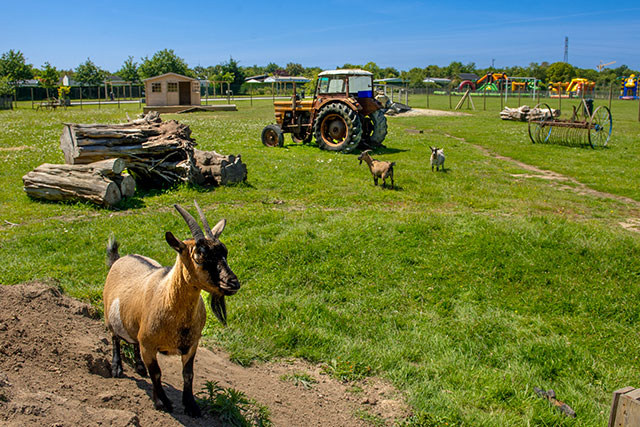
column 172, row 87
column 195, row 87
column 156, row 87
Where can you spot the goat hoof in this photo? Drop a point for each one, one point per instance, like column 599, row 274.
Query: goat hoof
column 117, row 372
column 192, row 410
column 141, row 370
column 163, row 406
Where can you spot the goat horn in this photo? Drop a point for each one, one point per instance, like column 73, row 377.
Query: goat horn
column 196, row 232
column 205, row 224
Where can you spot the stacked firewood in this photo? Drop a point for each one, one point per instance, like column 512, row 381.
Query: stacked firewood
column 154, row 152
column 525, row 113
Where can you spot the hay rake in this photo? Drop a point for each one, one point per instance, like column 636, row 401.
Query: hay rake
column 582, row 129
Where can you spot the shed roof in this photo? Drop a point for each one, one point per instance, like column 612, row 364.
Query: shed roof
column 468, row 76
column 286, row 79
column 436, row 80
column 161, row 76
column 389, row 80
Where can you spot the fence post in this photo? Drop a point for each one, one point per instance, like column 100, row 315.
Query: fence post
column 484, row 99
column 610, row 95
column 427, row 96
column 449, row 98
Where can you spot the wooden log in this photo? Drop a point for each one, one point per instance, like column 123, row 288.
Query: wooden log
column 218, row 169
column 53, row 182
column 126, row 184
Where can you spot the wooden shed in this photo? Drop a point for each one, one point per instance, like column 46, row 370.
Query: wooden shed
column 171, row 90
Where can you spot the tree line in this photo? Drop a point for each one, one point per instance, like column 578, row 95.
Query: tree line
column 14, row 70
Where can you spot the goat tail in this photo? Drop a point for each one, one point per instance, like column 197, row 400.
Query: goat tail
column 112, row 250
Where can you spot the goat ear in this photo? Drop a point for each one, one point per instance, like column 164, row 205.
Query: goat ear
column 176, row 244
column 217, row 230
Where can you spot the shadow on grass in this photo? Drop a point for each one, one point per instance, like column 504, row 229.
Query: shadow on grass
column 381, row 150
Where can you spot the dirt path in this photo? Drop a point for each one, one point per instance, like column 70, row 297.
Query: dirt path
column 576, row 186
column 54, row 371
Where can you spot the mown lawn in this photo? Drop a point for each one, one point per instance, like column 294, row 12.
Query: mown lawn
column 466, row 289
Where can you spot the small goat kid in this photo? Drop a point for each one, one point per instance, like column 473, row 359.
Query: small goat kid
column 159, row 309
column 437, row 158
column 379, row 169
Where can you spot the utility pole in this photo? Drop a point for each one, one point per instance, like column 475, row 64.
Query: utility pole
column 566, row 49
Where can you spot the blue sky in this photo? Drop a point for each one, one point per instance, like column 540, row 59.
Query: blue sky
column 402, row 34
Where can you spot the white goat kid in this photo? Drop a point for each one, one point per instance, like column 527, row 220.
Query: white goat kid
column 159, row 309
column 437, row 158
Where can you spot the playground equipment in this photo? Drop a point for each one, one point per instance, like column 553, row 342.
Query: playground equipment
column 585, row 126
column 576, row 87
column 492, row 82
column 630, row 87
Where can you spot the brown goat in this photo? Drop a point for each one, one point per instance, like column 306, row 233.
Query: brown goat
column 378, row 168
column 159, row 309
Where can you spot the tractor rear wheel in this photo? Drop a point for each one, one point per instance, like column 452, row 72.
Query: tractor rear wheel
column 374, row 129
column 272, row 136
column 338, row 128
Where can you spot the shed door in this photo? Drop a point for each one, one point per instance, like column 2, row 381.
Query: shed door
column 185, row 93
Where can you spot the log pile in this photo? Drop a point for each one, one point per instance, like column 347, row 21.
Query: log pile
column 156, row 153
column 100, row 182
column 525, row 113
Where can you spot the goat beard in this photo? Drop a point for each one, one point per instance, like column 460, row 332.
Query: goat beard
column 219, row 308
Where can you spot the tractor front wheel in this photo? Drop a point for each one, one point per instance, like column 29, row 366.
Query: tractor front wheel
column 338, row 128
column 272, row 136
column 374, row 129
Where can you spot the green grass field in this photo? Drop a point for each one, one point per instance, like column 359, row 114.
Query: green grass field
column 465, row 289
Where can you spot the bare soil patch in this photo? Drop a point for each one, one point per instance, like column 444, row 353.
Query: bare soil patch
column 427, row 112
column 20, row 148
column 54, row 371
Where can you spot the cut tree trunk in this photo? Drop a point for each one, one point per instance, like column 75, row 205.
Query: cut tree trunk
column 99, row 182
column 156, row 153
column 525, row 113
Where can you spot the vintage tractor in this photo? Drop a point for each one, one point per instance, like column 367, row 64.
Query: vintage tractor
column 342, row 114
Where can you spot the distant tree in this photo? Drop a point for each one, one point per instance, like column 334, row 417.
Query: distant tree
column 350, row 66
column 373, row 68
column 231, row 67
column 560, row 72
column 5, row 86
column 389, row 72
column 14, row 67
column 200, row 72
column 415, row 76
column 163, row 61
column 89, row 74
column 48, row 77
column 294, row 69
column 271, row 68
column 129, row 71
